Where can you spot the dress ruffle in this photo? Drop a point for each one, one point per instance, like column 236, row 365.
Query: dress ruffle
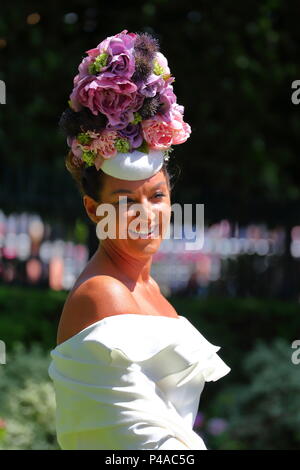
column 142, row 342
column 132, row 382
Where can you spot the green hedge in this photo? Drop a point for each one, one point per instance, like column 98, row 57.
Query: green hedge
column 30, row 315
column 27, row 405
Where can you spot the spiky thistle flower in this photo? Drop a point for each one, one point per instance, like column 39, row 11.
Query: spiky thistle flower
column 146, row 45
column 145, row 48
column 143, row 68
column 150, row 107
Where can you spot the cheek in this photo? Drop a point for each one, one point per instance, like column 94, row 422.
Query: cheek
column 162, row 215
column 165, row 216
column 160, row 211
column 165, row 210
column 123, row 218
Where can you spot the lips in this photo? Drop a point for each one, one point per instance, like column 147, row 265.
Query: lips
column 143, row 234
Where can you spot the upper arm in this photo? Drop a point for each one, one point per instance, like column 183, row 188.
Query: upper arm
column 94, row 299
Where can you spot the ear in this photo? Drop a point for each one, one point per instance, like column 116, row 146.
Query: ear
column 90, row 207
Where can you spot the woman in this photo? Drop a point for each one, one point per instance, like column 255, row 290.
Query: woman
column 120, row 268
column 128, row 371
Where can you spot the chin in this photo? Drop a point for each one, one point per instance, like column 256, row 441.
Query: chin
column 148, row 246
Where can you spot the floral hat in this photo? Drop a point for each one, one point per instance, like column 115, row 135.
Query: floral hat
column 123, row 116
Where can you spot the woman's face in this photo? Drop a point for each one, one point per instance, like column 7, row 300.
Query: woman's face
column 147, row 207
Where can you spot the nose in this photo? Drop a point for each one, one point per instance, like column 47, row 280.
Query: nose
column 147, row 215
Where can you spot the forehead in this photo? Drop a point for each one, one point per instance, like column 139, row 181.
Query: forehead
column 111, row 184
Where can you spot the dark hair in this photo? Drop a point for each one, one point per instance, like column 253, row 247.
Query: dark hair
column 90, row 181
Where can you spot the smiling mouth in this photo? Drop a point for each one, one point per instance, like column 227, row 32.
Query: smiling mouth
column 143, row 234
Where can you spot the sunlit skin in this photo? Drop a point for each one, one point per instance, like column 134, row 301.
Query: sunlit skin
column 129, row 259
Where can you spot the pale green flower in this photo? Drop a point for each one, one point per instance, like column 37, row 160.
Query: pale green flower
column 137, row 118
column 158, row 69
column 122, row 145
column 84, row 139
column 100, row 61
column 88, row 156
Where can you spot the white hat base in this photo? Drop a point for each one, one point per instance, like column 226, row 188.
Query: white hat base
column 134, row 165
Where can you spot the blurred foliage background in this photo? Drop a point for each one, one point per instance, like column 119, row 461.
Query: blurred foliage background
column 234, row 64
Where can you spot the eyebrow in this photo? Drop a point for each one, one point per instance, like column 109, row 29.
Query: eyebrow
column 123, row 191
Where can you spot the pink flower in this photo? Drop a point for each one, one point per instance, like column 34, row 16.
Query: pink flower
column 167, row 99
column 157, row 134
column 105, row 144
column 102, row 144
column 160, row 134
column 120, row 63
column 181, row 129
column 105, row 147
column 77, row 148
column 109, row 96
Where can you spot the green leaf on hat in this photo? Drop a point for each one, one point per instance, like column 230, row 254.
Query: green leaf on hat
column 144, row 147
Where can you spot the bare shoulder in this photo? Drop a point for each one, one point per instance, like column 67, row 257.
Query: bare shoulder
column 94, row 299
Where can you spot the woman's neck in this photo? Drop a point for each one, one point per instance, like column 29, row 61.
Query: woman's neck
column 135, row 269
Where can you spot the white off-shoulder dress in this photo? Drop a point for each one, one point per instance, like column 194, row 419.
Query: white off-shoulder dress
column 132, row 382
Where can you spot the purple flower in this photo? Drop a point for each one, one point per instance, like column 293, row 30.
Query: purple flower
column 134, row 134
column 167, row 99
column 127, row 116
column 137, row 102
column 120, row 56
column 124, row 119
column 153, row 85
column 83, row 69
column 120, row 50
column 109, row 96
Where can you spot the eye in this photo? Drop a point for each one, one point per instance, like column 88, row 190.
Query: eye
column 129, row 200
column 118, row 203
